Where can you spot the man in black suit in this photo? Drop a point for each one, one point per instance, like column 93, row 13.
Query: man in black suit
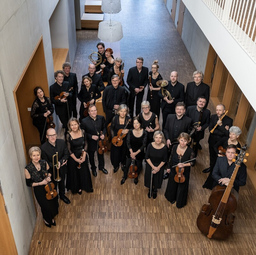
column 113, row 97
column 196, row 89
column 95, row 129
column 137, row 80
column 72, row 79
column 96, row 78
column 62, row 105
column 221, row 131
column 176, row 90
column 200, row 121
column 101, row 50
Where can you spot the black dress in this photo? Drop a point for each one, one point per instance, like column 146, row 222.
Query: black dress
column 178, row 191
column 78, row 178
column 106, row 70
column 153, row 96
column 156, row 156
column 49, row 208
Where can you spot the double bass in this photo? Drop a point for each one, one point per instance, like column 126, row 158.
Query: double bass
column 216, row 218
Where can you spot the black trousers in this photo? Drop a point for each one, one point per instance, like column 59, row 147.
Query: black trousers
column 109, row 116
column 165, row 113
column 138, row 163
column 117, row 155
column 138, row 103
column 101, row 162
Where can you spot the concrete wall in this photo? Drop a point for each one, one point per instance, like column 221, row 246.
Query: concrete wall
column 22, row 23
column 169, row 6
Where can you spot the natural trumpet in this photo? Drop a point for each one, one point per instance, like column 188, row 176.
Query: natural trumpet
column 55, row 164
column 95, row 58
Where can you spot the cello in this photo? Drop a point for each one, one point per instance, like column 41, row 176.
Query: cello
column 216, row 218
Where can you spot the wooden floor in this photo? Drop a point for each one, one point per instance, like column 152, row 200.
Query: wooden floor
column 117, row 219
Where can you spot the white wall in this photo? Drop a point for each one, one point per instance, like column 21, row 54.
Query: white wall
column 169, row 6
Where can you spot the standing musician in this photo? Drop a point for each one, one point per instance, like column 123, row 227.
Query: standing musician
column 137, row 80
column 88, row 95
column 136, row 142
column 196, row 89
column 121, row 121
column 200, row 121
column 62, row 103
column 153, row 96
column 95, row 129
column 118, row 70
column 96, row 78
column 176, row 89
column 156, row 157
column 41, row 110
column 101, row 50
column 149, row 121
column 177, row 189
column 219, row 128
column 113, row 97
column 107, row 64
column 49, row 148
column 72, row 79
column 37, row 176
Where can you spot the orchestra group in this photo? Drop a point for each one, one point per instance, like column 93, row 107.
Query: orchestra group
column 130, row 130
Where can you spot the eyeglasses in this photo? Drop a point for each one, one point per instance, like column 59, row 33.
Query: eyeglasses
column 52, row 135
column 145, row 107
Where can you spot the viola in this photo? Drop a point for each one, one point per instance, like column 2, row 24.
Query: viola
column 86, row 109
column 216, row 219
column 102, row 70
column 51, row 192
column 102, row 145
column 63, row 95
column 221, row 151
column 133, row 170
column 118, row 139
column 179, row 177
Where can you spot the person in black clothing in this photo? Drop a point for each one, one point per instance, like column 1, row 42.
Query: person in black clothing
column 136, row 142
column 221, row 131
column 96, row 78
column 224, row 168
column 137, row 80
column 176, row 89
column 95, row 129
column 113, row 97
column 196, row 89
column 88, row 95
column 62, row 105
column 72, row 79
column 107, row 64
column 37, row 176
column 118, row 70
column 120, row 122
column 153, row 97
column 41, row 109
column 200, row 121
column 49, row 149
column 101, row 51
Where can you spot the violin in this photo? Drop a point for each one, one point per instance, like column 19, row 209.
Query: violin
column 102, row 145
column 49, row 121
column 118, row 139
column 133, row 170
column 216, row 219
column 179, row 177
column 102, row 70
column 51, row 192
column 87, row 105
column 121, row 75
column 82, row 154
column 221, row 151
column 63, row 95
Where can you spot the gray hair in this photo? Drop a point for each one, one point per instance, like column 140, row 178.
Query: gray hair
column 66, row 64
column 145, row 103
column 34, row 148
column 118, row 59
column 198, row 72
column 123, row 106
column 236, row 130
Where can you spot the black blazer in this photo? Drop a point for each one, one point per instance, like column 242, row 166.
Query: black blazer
column 72, row 79
column 97, row 80
column 85, row 96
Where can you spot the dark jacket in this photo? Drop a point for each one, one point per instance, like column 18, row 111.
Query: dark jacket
column 97, row 80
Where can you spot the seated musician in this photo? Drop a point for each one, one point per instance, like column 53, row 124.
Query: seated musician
column 224, row 168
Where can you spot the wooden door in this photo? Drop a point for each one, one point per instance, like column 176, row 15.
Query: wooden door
column 181, row 17
column 173, row 11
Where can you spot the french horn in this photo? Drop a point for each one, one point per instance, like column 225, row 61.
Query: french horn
column 95, row 58
column 165, row 93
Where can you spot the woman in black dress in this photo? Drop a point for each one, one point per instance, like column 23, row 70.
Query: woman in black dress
column 79, row 176
column 41, row 109
column 149, row 121
column 88, row 94
column 120, row 121
column 37, row 176
column 136, row 142
column 107, row 64
column 153, row 97
column 156, row 157
column 118, row 70
column 178, row 192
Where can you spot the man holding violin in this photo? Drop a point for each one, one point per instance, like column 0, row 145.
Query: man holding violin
column 50, row 148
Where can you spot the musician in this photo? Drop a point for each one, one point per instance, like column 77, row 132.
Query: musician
column 96, row 78
column 176, row 89
column 120, row 121
column 153, row 97
column 149, row 121
column 137, row 80
column 113, row 97
column 49, row 148
column 156, row 157
column 222, row 123
column 40, row 110
column 37, row 176
column 178, row 192
column 62, row 105
column 95, row 129
column 88, row 95
column 196, row 89
column 107, row 64
column 72, row 79
column 101, row 50
column 224, row 168
column 118, row 70
column 200, row 121
column 79, row 176
column 136, row 142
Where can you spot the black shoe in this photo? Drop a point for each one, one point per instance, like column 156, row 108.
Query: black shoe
column 123, row 181
column 154, row 194
column 206, row 170
column 116, row 169
column 173, row 202
column 166, row 176
column 54, row 223
column 105, row 171
column 123, row 167
column 47, row 224
column 94, row 173
column 136, row 181
column 65, row 199
column 80, row 192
